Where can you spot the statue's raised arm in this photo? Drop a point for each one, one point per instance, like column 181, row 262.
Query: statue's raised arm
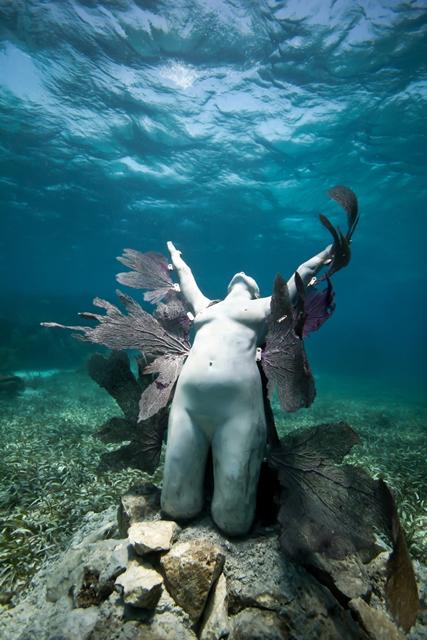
column 187, row 283
column 307, row 271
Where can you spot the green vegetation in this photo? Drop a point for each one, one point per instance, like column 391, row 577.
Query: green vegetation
column 49, row 479
column 48, row 476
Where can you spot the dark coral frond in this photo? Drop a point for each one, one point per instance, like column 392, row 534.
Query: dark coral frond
column 325, row 508
column 135, row 330
column 173, row 315
column 401, row 586
column 152, row 436
column 299, row 306
column 283, row 359
column 348, row 200
column 157, row 395
column 113, row 373
column 330, row 511
column 341, row 253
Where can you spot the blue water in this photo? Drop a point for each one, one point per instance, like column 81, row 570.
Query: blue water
column 219, row 125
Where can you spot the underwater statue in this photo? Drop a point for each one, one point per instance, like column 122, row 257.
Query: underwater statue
column 218, row 401
column 207, row 371
column 243, row 348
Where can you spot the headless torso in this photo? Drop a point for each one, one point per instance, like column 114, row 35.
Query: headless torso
column 218, row 402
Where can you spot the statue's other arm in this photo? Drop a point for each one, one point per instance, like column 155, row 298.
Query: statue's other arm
column 307, row 271
column 187, row 283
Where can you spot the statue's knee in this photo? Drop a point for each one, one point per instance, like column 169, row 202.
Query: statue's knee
column 233, row 522
column 179, row 508
column 180, row 499
column 233, row 507
column 234, row 500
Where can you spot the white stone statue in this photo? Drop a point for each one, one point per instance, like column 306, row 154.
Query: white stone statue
column 218, row 400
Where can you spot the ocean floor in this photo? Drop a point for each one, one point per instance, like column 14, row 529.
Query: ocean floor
column 48, row 468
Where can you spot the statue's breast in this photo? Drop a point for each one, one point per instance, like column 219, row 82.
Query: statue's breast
column 240, row 312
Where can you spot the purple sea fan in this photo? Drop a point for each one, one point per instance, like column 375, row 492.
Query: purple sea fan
column 173, row 315
column 149, row 271
column 157, row 395
column 319, row 305
column 136, row 329
column 164, row 343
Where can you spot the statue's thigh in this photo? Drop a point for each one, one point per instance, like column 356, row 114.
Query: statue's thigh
column 238, row 449
column 184, row 472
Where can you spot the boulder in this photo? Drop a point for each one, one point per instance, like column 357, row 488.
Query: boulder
column 141, row 502
column 153, row 537
column 215, row 624
column 79, row 624
column 166, row 627
column 190, row 570
column 65, row 575
column 141, row 585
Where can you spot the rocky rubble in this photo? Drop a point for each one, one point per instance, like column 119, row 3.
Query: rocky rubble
column 145, row 578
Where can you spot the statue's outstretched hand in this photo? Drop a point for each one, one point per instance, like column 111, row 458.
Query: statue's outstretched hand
column 187, row 283
column 172, row 249
column 310, row 268
column 174, row 253
column 327, row 255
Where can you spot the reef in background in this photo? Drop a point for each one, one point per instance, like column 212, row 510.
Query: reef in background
column 24, row 345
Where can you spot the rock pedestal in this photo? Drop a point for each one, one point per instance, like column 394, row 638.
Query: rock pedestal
column 165, row 582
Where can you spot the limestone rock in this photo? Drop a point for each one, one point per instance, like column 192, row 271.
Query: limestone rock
column 190, row 570
column 167, row 627
column 117, row 562
column 215, row 623
column 65, row 574
column 258, row 624
column 148, row 537
column 260, row 577
column 376, row 623
column 87, row 572
column 141, row 585
column 141, row 502
column 95, row 527
column 79, row 624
